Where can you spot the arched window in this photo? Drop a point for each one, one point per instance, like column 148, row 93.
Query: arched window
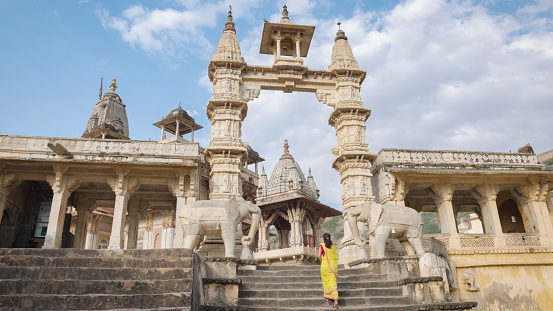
column 510, row 217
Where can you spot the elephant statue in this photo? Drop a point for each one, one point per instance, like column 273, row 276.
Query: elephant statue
column 386, row 221
column 220, row 217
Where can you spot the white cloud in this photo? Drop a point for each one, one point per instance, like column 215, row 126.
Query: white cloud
column 170, row 34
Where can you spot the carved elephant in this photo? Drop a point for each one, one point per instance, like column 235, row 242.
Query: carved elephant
column 387, row 221
column 220, row 218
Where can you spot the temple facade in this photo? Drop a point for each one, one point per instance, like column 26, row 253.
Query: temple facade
column 105, row 190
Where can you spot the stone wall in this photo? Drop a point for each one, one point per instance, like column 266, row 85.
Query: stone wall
column 506, row 281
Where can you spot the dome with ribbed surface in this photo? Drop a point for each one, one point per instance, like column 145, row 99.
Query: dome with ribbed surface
column 288, row 178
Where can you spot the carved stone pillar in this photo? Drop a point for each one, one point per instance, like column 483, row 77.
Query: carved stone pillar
column 530, row 196
column 317, row 230
column 442, row 194
column 168, row 231
column 149, row 232
column 62, row 186
column 295, row 217
column 486, row 195
column 123, row 186
column 133, row 230
column 92, row 231
column 263, row 235
column 83, row 211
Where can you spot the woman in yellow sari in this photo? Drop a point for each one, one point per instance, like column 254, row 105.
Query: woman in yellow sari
column 328, row 255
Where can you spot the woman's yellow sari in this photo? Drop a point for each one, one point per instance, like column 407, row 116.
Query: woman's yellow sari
column 329, row 271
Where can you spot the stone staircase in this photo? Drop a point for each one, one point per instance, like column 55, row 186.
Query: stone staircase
column 299, row 288
column 79, row 279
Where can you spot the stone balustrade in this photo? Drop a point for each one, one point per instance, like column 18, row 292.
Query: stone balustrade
column 457, row 159
column 488, row 241
column 91, row 150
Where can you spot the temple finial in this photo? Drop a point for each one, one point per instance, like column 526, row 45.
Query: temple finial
column 339, row 25
column 286, row 152
column 113, row 85
column 229, row 24
column 285, row 11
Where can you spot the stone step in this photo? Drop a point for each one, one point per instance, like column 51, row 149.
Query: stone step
column 321, row 302
column 317, row 284
column 305, row 272
column 94, row 301
column 86, row 273
column 313, row 293
column 76, row 253
column 261, row 279
column 115, row 262
column 82, row 287
column 329, row 307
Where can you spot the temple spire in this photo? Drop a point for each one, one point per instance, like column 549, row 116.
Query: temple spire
column 285, row 18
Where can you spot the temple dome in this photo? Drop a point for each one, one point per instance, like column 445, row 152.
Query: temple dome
column 108, row 118
column 288, row 179
column 342, row 55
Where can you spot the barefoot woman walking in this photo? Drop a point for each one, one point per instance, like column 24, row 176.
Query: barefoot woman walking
column 328, row 255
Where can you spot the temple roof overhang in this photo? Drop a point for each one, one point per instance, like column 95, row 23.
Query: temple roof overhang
column 282, row 203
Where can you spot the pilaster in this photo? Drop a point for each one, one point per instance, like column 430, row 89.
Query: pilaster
column 7, row 183
column 124, row 187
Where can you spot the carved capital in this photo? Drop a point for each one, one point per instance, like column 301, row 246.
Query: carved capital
column 60, row 182
column 441, row 192
column 122, row 185
column 485, row 193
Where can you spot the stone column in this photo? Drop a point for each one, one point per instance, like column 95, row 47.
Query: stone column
column 263, row 243
column 283, row 239
column 486, row 195
column 92, row 231
column 149, row 233
column 442, row 194
column 532, row 197
column 168, row 231
column 126, row 236
column 123, row 186
column 133, row 218
column 295, row 217
column 185, row 190
column 84, row 208
column 62, row 186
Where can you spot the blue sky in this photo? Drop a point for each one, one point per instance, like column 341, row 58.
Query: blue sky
column 463, row 75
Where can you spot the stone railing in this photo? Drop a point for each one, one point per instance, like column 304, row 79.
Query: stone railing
column 483, row 241
column 98, row 150
column 457, row 159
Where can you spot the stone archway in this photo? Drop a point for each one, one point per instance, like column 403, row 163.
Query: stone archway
column 235, row 83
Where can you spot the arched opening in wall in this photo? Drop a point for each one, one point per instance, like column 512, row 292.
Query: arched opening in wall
column 513, row 216
column 510, row 217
